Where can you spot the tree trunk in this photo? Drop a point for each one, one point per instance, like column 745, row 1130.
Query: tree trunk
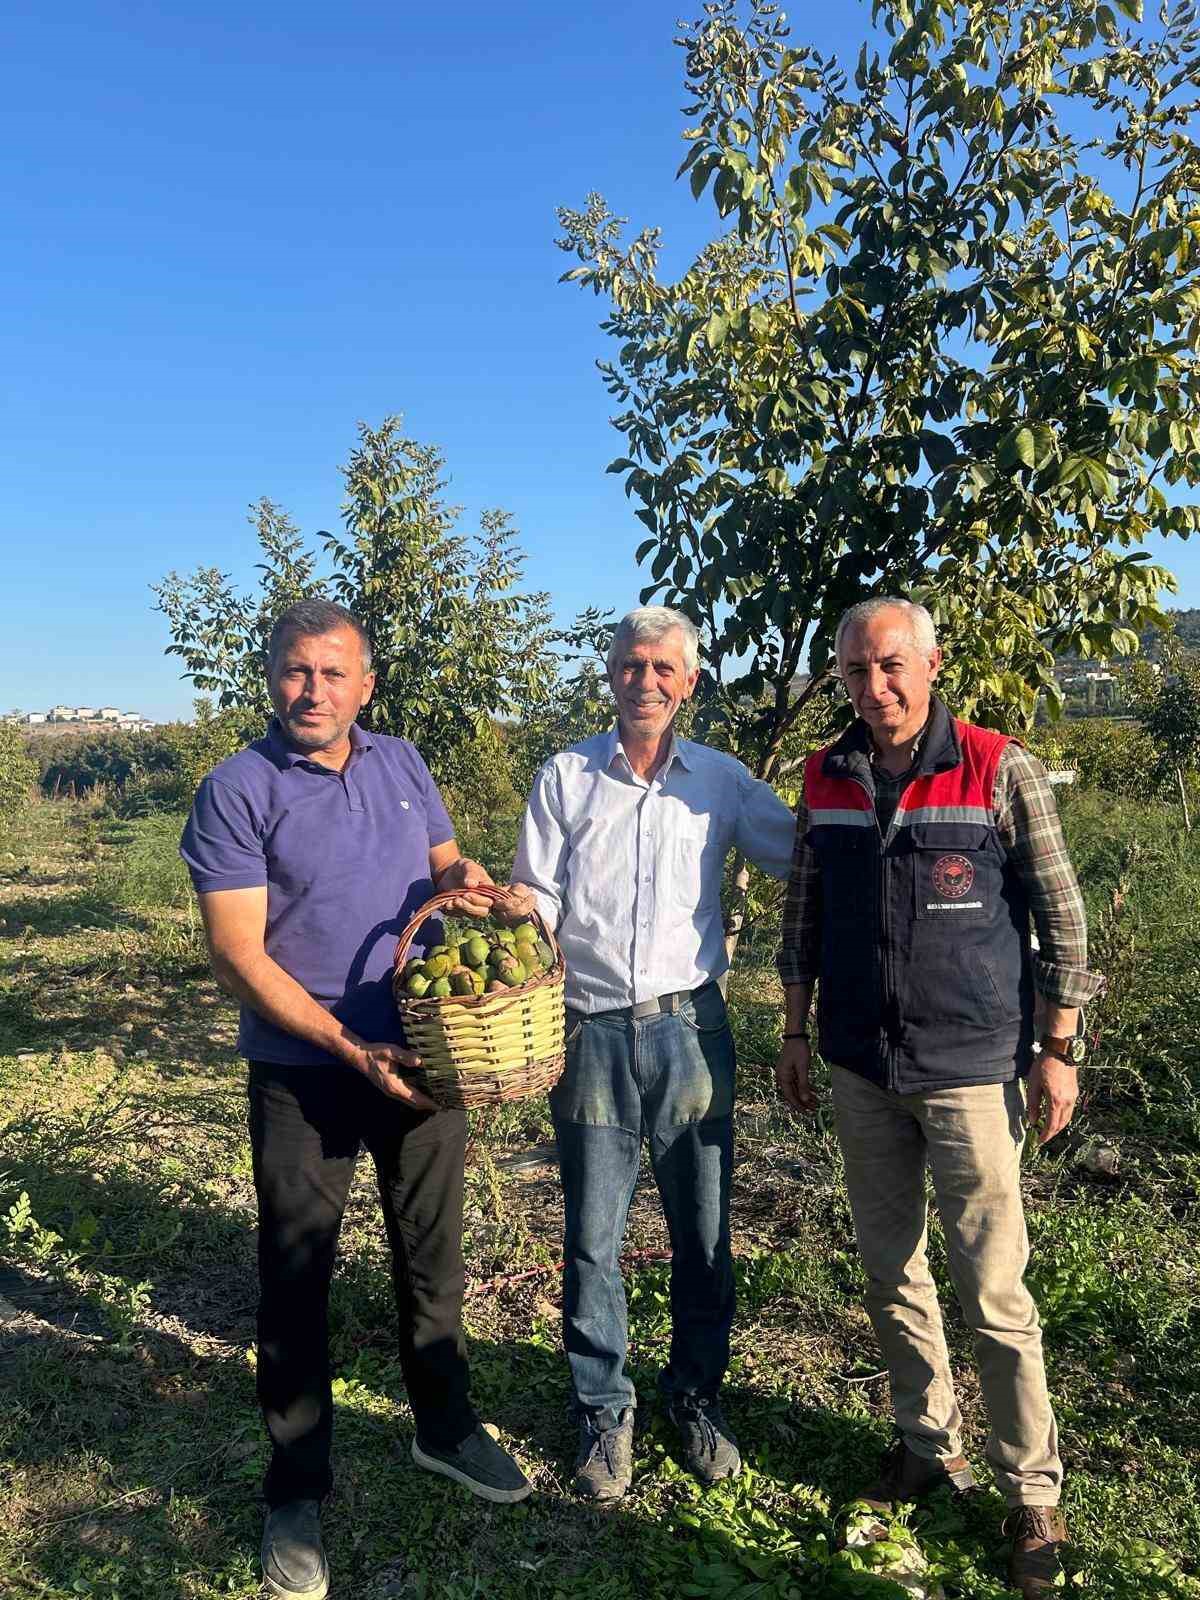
column 737, row 909
column 1187, row 818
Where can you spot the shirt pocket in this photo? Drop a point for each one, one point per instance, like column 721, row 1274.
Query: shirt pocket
column 693, row 881
column 956, row 876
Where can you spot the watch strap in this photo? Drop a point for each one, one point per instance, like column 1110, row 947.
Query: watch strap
column 1067, row 1045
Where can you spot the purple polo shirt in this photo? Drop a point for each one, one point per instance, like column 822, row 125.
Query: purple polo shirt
column 344, row 857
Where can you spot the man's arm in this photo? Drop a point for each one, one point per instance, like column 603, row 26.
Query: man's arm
column 799, row 934
column 542, row 848
column 794, row 1067
column 1029, row 827
column 235, row 922
column 765, row 830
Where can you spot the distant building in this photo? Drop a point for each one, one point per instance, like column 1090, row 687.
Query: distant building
column 83, row 719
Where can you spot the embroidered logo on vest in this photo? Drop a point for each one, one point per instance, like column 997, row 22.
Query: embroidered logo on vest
column 953, row 876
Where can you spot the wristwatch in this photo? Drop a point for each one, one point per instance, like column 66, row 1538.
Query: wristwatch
column 1068, row 1047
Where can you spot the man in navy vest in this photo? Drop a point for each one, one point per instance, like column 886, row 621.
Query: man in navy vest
column 309, row 851
column 924, row 846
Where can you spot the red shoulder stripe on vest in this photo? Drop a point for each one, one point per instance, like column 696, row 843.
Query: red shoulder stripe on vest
column 964, row 793
column 823, row 793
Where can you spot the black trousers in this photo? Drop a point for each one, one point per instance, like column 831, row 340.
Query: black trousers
column 306, row 1127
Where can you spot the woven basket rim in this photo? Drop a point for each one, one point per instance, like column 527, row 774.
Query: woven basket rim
column 429, row 1005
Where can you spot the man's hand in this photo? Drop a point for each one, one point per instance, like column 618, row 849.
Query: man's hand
column 518, row 905
column 1051, row 1091
column 792, row 1077
column 384, row 1065
column 464, row 874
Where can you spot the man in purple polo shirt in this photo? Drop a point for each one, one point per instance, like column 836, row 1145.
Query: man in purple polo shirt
column 309, row 851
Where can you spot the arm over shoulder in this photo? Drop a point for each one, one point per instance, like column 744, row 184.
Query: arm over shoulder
column 543, row 845
column 765, row 830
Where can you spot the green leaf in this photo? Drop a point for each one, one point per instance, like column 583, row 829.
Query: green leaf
column 797, row 194
column 764, row 413
column 938, row 450
column 715, row 330
column 1017, row 448
column 1098, row 479
column 701, row 173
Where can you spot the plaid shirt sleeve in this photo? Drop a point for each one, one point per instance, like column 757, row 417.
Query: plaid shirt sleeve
column 800, row 927
column 1029, row 828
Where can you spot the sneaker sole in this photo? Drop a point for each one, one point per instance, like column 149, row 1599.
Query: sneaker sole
column 485, row 1491
column 587, row 1496
column 318, row 1592
column 709, row 1478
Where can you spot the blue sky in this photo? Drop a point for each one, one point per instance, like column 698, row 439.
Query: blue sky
column 235, row 231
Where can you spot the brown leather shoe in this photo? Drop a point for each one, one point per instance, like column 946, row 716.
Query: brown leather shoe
column 1037, row 1534
column 905, row 1477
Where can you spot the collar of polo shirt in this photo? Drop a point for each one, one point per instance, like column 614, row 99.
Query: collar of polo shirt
column 359, row 738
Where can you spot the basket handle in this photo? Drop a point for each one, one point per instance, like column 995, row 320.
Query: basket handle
column 481, row 891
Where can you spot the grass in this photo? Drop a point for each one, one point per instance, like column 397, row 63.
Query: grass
column 130, row 1446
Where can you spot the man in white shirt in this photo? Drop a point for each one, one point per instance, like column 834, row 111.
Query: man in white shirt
column 624, row 844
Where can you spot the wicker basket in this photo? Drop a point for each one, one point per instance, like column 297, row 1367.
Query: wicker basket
column 480, row 1050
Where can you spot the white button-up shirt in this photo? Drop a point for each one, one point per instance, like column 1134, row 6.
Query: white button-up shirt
column 628, row 873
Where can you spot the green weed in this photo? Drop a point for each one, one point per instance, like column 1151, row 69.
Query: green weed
column 130, row 1442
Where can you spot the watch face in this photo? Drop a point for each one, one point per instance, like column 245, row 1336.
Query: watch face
column 1076, row 1050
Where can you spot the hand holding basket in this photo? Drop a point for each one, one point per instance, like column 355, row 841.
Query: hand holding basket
column 483, row 1049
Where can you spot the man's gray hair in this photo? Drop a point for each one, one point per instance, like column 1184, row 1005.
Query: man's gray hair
column 920, row 623
column 310, row 619
column 648, row 623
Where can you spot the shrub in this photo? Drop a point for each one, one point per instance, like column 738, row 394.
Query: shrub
column 1116, row 756
column 18, row 770
column 75, row 763
column 197, row 747
column 146, row 872
column 152, row 771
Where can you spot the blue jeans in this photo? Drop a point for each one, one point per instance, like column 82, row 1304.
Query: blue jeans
column 669, row 1078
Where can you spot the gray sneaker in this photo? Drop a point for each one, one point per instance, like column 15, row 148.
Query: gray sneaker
column 480, row 1464
column 710, row 1450
column 604, row 1466
column 293, row 1558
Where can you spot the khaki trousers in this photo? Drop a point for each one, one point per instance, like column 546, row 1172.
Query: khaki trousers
column 970, row 1139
